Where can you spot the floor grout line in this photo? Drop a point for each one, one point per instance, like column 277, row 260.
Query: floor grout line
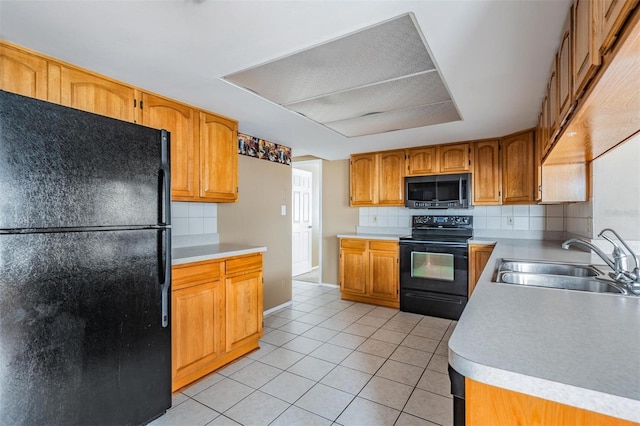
column 354, row 312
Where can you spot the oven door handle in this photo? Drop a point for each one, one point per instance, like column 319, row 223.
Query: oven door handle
column 434, row 297
column 433, row 243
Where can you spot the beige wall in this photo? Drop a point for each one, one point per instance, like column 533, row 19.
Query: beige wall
column 337, row 216
column 256, row 220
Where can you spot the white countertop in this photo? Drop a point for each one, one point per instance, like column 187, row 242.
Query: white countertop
column 367, row 236
column 576, row 348
column 180, row 255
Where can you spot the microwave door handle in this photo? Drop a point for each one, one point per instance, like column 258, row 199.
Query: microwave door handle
column 460, row 191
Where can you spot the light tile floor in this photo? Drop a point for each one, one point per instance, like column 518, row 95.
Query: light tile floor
column 325, row 361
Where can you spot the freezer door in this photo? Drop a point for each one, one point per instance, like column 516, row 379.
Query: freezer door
column 81, row 335
column 61, row 167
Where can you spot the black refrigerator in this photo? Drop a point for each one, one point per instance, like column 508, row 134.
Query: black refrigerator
column 85, row 267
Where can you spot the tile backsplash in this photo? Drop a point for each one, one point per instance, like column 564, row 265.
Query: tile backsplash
column 194, row 218
column 505, row 218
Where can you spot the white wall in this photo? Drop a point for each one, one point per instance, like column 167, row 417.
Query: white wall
column 616, row 190
column 615, row 199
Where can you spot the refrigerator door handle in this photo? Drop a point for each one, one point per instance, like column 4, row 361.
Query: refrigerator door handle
column 165, row 274
column 164, row 195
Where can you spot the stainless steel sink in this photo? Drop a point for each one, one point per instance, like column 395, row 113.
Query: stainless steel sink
column 568, row 276
column 560, row 281
column 553, row 268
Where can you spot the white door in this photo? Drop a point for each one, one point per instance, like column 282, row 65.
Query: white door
column 302, row 226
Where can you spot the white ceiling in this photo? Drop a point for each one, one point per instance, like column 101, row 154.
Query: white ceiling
column 494, row 55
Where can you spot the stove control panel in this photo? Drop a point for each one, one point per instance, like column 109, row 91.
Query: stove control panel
column 442, row 221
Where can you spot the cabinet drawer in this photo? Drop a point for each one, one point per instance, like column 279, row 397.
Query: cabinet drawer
column 354, row 244
column 195, row 273
column 383, row 245
column 243, row 264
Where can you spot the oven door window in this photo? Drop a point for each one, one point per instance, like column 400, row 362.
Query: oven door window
column 436, row 266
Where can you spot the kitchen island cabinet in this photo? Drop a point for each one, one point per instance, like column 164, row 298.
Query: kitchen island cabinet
column 550, row 344
column 496, row 406
column 217, row 309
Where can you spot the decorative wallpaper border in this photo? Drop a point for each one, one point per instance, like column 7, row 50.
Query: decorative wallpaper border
column 254, row 147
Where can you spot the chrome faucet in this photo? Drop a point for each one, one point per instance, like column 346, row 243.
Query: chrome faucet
column 596, row 250
column 619, row 263
column 632, row 276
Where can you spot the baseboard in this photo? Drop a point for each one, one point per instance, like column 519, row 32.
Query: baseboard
column 277, row 308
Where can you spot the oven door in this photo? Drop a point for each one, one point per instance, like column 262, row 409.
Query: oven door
column 437, row 267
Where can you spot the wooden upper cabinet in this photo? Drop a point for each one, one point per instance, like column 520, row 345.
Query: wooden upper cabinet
column 423, row 161
column 454, row 158
column 564, row 70
column 364, row 180
column 92, row 93
column 487, row 180
column 553, row 100
column 545, row 138
column 431, row 160
column 218, row 158
column 181, row 121
column 517, row 160
column 612, row 15
column 538, row 152
column 23, row 73
column 391, row 178
column 586, row 55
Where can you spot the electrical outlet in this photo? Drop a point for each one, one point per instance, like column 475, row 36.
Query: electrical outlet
column 510, row 220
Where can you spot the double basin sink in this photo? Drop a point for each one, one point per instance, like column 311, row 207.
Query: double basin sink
column 568, row 276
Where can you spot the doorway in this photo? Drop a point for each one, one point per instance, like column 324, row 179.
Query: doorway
column 306, row 221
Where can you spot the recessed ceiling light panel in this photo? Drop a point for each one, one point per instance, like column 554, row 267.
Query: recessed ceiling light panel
column 416, row 90
column 372, row 72
column 410, row 118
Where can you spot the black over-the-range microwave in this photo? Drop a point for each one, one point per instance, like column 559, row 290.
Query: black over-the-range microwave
column 438, row 191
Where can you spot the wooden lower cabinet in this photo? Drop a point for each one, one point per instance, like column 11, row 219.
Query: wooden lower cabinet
column 479, row 255
column 216, row 315
column 369, row 271
column 490, row 405
column 243, row 284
